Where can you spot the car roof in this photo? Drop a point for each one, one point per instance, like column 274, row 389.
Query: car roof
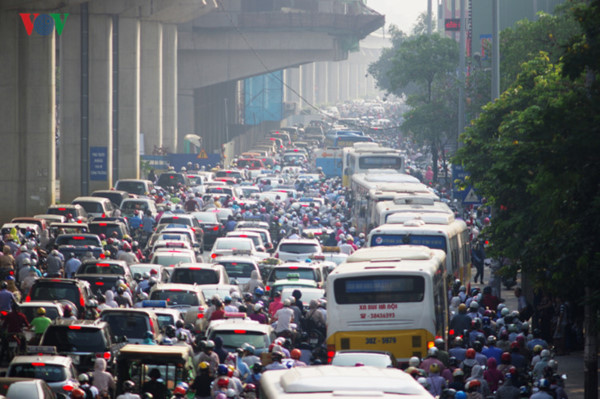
column 41, row 304
column 60, row 280
column 174, row 252
column 228, row 324
column 65, row 361
column 82, row 323
column 176, row 286
column 127, row 310
column 234, row 258
column 299, row 241
column 90, row 198
column 295, row 282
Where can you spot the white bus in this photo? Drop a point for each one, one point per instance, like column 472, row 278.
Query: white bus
column 445, row 233
column 369, row 188
column 390, row 299
column 328, row 382
column 402, row 204
column 362, row 157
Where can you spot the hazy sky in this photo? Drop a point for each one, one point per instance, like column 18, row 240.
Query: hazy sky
column 402, row 13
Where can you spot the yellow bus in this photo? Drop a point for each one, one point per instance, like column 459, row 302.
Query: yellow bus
column 390, row 299
column 434, row 230
column 403, row 204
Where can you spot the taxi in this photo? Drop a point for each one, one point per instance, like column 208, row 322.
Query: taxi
column 56, row 371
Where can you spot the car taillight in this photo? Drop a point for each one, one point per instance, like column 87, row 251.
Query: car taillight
column 200, row 315
column 430, row 344
column 239, row 331
column 451, row 332
column 99, row 283
column 216, row 228
column 81, row 300
column 330, row 352
column 268, row 288
column 105, row 356
column 151, row 325
column 28, row 298
column 74, row 327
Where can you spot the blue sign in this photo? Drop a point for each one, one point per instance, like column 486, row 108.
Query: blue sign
column 263, row 98
column 98, row 163
column 468, row 196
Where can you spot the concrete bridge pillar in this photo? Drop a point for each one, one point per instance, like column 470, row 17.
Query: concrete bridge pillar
column 344, row 71
column 28, row 120
column 100, row 99
column 321, row 85
column 308, row 83
column 169, row 86
column 333, row 92
column 129, row 98
column 185, row 116
column 151, row 87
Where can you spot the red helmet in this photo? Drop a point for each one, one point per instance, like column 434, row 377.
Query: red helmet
column 505, row 358
column 179, row 390
column 470, row 354
column 514, row 345
column 295, row 354
column 223, row 382
column 126, row 246
column 473, row 384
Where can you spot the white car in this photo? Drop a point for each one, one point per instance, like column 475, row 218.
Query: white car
column 235, row 246
column 297, row 249
column 170, row 257
column 239, row 268
column 236, row 332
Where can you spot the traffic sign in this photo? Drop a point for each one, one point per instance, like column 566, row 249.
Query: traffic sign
column 452, row 24
column 202, row 155
column 471, row 197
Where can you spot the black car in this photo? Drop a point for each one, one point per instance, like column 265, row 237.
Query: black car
column 83, row 341
column 172, row 179
column 211, row 225
column 58, row 289
column 79, row 244
column 104, row 274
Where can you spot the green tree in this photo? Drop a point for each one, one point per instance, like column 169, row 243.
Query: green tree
column 533, row 154
column 523, row 41
column 428, row 62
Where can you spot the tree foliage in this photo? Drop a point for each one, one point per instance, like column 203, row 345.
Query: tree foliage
column 534, row 155
column 522, row 42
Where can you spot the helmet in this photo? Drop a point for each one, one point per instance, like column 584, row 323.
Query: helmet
column 504, row 312
column 537, row 349
column 259, row 291
column 223, row 382
column 248, row 348
column 210, row 344
column 491, row 340
column 473, row 384
column 77, row 393
column 514, row 345
column 27, row 261
column 414, row 361
column 167, row 341
column 146, row 275
column 474, row 305
column 544, row 384
column 470, row 354
column 545, row 353
column 257, row 367
column 434, row 368
column 203, row 366
column 433, row 352
column 231, row 393
column 83, row 378
column 179, row 390
column 295, row 354
column 222, row 369
column 439, row 343
column 458, row 373
column 505, row 357
column 257, row 307
column 460, row 395
column 128, row 386
column 41, row 311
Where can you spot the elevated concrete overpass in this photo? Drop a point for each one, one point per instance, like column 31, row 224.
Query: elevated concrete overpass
column 115, row 78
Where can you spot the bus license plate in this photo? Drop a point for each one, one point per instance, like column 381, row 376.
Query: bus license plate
column 382, row 341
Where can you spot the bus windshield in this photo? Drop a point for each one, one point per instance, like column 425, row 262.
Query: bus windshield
column 431, row 241
column 379, row 289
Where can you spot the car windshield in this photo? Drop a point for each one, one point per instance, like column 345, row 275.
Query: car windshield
column 195, row 276
column 170, row 260
column 165, row 320
column 75, row 339
column 243, row 244
column 130, row 206
column 54, row 291
column 78, row 241
column 101, row 268
column 106, row 229
column 39, row 370
column 282, row 273
column 170, row 179
column 299, row 248
column 176, row 297
column 61, row 211
column 91, row 206
column 206, row 217
column 238, row 269
column 30, row 312
column 130, row 325
column 21, row 390
column 236, row 338
column 368, row 359
column 132, row 187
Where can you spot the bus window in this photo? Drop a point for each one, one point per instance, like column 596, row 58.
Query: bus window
column 377, row 289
